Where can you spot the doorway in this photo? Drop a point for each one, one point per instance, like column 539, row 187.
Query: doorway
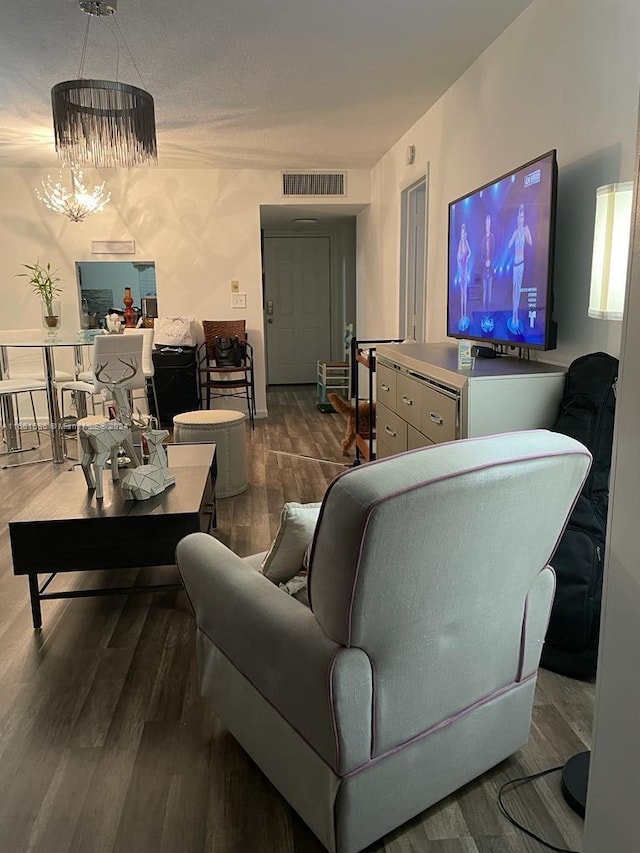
column 413, row 234
column 297, row 300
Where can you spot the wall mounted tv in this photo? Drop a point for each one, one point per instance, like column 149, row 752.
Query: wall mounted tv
column 501, row 241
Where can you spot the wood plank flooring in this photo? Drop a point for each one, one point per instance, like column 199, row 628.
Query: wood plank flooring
column 106, row 747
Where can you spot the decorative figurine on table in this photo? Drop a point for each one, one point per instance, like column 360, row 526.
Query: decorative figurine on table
column 101, row 442
column 149, row 480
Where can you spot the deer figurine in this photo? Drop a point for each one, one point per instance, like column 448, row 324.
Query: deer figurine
column 145, row 481
column 118, row 388
column 101, row 442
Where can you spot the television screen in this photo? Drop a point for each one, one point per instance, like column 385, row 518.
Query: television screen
column 501, row 258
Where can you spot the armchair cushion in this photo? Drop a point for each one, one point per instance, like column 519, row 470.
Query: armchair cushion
column 286, row 556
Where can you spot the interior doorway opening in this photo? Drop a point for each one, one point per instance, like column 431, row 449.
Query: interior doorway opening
column 413, row 251
column 309, row 287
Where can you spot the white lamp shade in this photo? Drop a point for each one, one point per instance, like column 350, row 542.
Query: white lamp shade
column 610, row 251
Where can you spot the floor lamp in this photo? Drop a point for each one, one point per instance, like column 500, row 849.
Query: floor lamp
column 574, row 782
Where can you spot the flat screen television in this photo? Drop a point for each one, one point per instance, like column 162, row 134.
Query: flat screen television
column 500, row 259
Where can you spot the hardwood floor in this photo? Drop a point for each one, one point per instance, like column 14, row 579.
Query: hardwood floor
column 106, row 747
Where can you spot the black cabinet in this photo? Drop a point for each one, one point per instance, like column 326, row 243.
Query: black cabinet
column 176, row 381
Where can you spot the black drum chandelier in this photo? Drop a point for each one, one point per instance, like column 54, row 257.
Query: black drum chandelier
column 103, row 122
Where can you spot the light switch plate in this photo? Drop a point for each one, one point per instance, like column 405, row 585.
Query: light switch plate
column 235, row 286
column 238, row 300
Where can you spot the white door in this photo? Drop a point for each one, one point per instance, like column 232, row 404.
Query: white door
column 297, row 278
column 412, row 260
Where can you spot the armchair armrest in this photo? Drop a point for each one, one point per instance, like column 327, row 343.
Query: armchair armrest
column 278, row 645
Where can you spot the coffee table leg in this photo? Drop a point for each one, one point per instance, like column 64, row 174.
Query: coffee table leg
column 34, row 592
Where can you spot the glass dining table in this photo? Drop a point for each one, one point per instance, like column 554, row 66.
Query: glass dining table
column 48, row 346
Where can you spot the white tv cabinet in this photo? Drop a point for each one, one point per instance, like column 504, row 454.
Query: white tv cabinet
column 423, row 398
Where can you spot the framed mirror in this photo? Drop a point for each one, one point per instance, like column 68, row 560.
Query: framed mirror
column 101, row 284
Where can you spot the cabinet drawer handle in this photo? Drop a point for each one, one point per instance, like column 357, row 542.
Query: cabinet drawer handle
column 390, row 431
column 407, row 400
column 436, row 419
column 385, row 387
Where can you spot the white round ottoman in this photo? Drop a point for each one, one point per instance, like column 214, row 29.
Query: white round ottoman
column 227, row 430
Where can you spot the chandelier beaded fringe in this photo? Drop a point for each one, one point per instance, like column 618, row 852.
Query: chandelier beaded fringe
column 103, row 122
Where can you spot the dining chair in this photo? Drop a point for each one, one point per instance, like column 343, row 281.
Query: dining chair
column 113, row 356
column 114, row 359
column 26, row 362
column 147, row 366
column 221, row 380
column 10, row 391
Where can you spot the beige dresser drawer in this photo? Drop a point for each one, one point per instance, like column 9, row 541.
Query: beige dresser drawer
column 391, row 430
column 439, row 414
column 382, row 451
column 386, row 386
column 416, row 440
column 408, row 398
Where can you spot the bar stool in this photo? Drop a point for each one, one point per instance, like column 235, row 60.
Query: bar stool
column 227, row 430
column 9, row 391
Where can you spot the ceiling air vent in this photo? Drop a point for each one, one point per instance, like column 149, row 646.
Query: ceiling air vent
column 313, row 183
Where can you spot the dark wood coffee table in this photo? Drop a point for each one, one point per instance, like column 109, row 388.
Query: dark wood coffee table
column 66, row 529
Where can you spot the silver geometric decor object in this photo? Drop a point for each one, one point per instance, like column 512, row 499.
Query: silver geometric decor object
column 145, row 482
column 149, row 480
column 100, row 444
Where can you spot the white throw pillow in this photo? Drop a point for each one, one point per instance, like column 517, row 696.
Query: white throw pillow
column 284, row 558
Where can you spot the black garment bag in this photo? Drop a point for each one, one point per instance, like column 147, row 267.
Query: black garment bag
column 587, row 414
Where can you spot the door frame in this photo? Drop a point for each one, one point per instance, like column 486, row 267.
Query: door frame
column 342, row 285
column 327, row 265
column 408, row 255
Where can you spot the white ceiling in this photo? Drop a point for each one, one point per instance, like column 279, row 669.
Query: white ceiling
column 248, row 83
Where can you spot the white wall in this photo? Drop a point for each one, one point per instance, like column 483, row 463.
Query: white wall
column 564, row 75
column 614, row 783
column 201, row 227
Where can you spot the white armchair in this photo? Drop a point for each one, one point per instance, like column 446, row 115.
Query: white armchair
column 413, row 669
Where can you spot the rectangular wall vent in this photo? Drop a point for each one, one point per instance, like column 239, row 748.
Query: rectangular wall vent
column 313, row 183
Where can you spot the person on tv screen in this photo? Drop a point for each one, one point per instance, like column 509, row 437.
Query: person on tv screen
column 464, row 253
column 488, row 253
column 518, row 239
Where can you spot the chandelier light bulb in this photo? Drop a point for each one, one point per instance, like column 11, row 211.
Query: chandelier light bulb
column 77, row 203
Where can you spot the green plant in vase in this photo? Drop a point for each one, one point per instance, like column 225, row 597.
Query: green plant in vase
column 45, row 283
